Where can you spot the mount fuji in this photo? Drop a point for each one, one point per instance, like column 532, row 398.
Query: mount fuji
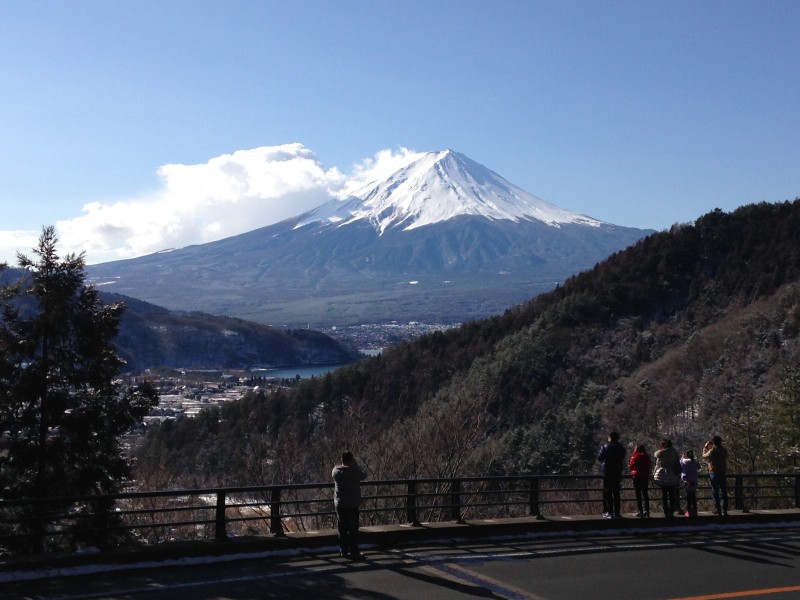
column 442, row 239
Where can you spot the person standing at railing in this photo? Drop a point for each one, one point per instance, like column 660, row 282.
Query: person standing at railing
column 347, row 478
column 689, row 478
column 717, row 458
column 640, row 465
column 612, row 460
column 667, row 475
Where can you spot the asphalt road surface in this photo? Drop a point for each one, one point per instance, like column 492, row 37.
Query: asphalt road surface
column 684, row 563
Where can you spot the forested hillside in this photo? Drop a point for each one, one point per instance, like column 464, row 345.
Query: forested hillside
column 151, row 336
column 691, row 332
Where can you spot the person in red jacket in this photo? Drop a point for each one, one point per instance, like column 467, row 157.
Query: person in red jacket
column 640, row 465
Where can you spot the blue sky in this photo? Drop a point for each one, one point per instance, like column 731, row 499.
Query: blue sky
column 121, row 122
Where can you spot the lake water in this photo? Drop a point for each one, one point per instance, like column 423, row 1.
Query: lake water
column 291, row 373
column 305, row 372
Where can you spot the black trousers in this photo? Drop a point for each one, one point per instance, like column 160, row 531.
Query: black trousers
column 641, row 487
column 611, row 494
column 669, row 499
column 719, row 488
column 348, row 529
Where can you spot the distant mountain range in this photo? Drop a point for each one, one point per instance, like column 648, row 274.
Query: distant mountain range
column 151, row 336
column 443, row 239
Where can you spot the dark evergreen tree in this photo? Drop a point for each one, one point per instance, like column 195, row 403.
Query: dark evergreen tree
column 62, row 409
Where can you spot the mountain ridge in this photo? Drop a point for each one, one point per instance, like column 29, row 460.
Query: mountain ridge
column 164, row 339
column 151, row 336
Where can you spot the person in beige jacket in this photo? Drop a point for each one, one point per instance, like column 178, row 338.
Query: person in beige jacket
column 667, row 475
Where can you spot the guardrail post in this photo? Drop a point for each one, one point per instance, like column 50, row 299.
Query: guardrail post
column 101, row 519
column 738, row 493
column 455, row 501
column 221, row 529
column 275, row 525
column 797, row 491
column 533, row 498
column 411, row 504
column 39, row 527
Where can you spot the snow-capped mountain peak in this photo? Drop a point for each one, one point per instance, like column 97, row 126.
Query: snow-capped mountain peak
column 435, row 187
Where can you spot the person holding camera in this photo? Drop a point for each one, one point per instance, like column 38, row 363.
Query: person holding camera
column 717, row 458
column 347, row 478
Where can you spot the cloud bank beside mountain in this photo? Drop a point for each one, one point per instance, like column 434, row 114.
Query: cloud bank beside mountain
column 225, row 196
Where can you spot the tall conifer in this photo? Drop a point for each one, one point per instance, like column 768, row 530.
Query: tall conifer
column 62, row 409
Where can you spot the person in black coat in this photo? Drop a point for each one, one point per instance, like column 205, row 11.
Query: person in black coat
column 347, row 479
column 612, row 461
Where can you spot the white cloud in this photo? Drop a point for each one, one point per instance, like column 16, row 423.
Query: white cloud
column 383, row 164
column 200, row 203
column 12, row 242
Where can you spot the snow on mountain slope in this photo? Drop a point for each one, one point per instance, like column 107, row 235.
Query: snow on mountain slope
column 435, row 187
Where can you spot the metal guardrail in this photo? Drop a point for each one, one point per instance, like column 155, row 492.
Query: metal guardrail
column 55, row 524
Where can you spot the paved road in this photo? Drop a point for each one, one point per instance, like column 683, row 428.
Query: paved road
column 682, row 563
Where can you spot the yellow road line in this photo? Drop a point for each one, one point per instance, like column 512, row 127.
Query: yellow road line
column 743, row 594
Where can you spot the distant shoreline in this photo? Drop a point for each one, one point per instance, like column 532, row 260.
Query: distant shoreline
column 304, row 372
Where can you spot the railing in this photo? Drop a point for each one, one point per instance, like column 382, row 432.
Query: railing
column 54, row 524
